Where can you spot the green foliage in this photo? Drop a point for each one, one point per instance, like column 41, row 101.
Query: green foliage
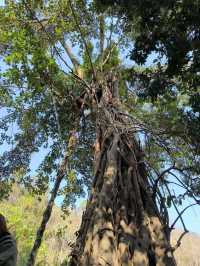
column 23, row 212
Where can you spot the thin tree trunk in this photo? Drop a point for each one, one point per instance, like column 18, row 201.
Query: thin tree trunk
column 121, row 224
column 47, row 213
column 62, row 171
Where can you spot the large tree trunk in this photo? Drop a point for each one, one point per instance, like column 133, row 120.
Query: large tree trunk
column 121, row 224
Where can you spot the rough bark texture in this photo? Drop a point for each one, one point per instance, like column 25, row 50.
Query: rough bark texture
column 121, row 224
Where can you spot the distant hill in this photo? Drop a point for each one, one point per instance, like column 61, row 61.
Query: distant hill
column 24, row 213
column 188, row 254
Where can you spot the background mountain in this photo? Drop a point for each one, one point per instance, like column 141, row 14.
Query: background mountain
column 188, row 253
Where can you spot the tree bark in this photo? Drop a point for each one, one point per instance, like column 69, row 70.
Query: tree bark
column 121, row 224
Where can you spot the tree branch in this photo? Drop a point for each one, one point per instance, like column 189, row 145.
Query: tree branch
column 101, row 34
column 160, row 177
column 71, row 55
column 180, row 215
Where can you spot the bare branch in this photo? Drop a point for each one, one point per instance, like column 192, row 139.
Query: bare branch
column 178, row 243
column 180, row 215
column 110, row 52
column 112, row 27
column 72, row 57
column 101, row 33
column 174, row 204
column 185, row 187
column 161, row 176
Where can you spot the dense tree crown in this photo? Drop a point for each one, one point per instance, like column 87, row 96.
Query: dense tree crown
column 72, row 69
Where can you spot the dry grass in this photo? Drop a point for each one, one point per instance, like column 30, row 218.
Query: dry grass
column 188, row 254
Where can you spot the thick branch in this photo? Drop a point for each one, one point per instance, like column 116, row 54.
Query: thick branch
column 101, row 34
column 71, row 55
